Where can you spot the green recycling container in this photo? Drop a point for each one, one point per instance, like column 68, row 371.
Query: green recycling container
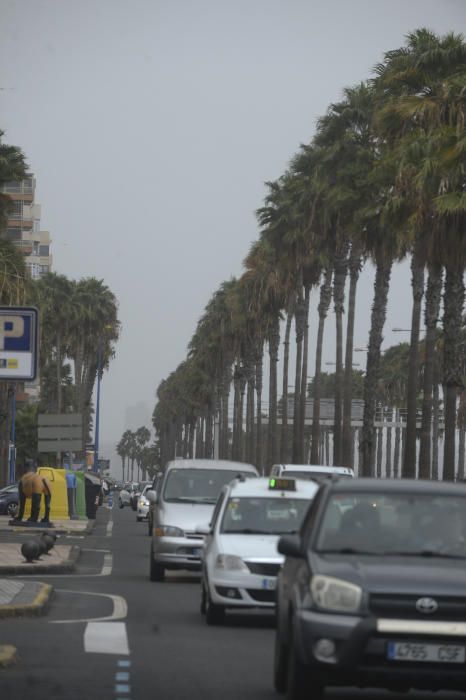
column 80, row 496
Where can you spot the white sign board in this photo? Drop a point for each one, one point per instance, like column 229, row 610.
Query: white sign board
column 19, row 332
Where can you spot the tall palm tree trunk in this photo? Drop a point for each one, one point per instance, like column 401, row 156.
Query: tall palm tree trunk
column 241, row 440
column 432, row 308
column 396, row 454
column 324, row 303
column 272, row 434
column 341, row 267
column 250, row 438
column 453, row 302
column 299, row 326
column 435, row 419
column 208, row 446
column 225, row 398
column 259, row 382
column 236, row 413
column 286, row 359
column 388, row 455
column 303, row 390
column 378, row 315
column 347, row 437
column 417, row 283
column 461, row 444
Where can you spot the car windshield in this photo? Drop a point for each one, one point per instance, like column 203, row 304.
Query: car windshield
column 198, row 485
column 310, row 476
column 271, row 516
column 398, row 524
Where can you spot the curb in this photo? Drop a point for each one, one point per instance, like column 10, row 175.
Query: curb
column 8, row 655
column 66, row 567
column 36, row 608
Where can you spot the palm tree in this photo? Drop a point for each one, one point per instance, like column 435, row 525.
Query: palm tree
column 324, row 303
column 142, row 437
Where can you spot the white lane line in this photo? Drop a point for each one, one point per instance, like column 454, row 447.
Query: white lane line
column 106, row 638
column 120, row 608
column 122, row 689
column 107, row 566
column 122, row 676
column 124, row 663
column 109, row 528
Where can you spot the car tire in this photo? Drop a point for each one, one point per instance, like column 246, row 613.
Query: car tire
column 138, row 519
column 11, row 509
column 302, row 684
column 280, row 665
column 203, row 606
column 121, row 504
column 157, row 572
column 214, row 614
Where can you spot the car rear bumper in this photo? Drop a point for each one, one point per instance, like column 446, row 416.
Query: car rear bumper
column 361, row 654
column 178, row 552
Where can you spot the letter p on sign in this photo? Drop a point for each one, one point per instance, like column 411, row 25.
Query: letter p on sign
column 10, row 327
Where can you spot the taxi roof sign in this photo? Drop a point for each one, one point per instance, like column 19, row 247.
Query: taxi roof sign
column 282, row 484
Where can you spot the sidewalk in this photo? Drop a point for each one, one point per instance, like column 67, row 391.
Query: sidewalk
column 60, row 560
column 61, row 527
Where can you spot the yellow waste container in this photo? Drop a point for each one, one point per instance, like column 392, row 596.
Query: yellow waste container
column 59, row 499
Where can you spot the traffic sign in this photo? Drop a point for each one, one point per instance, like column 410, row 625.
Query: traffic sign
column 61, row 432
column 19, row 347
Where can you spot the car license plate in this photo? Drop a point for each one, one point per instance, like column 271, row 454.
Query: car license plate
column 436, row 653
column 269, row 584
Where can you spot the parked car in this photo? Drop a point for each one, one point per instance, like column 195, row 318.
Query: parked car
column 373, row 589
column 184, row 501
column 9, row 500
column 150, row 515
column 240, row 561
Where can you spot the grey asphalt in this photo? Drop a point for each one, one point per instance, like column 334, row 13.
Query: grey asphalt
column 173, row 654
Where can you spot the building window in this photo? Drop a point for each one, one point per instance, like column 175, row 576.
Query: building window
column 44, row 250
column 14, row 234
column 16, row 211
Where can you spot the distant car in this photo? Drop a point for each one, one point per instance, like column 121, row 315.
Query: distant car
column 143, row 504
column 134, row 496
column 310, row 471
column 124, row 496
column 240, row 561
column 373, row 589
column 9, row 500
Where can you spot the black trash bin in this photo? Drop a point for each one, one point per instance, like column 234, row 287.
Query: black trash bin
column 93, row 490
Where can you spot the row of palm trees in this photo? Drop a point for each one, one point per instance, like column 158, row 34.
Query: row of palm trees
column 79, row 325
column 133, row 449
column 382, row 179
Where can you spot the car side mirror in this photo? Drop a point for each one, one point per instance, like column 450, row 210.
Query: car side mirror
column 291, row 546
column 152, row 497
column 203, row 530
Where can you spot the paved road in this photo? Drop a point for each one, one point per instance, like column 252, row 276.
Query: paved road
column 156, row 645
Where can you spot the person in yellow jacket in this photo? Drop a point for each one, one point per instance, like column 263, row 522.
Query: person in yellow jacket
column 33, row 486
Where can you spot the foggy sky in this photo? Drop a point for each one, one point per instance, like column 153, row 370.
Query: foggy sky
column 151, row 127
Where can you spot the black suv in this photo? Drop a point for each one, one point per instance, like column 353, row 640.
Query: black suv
column 373, row 589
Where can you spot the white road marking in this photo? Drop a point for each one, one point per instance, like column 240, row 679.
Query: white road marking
column 124, row 663
column 106, row 638
column 120, row 608
column 109, row 528
column 122, row 676
column 107, row 566
column 122, row 688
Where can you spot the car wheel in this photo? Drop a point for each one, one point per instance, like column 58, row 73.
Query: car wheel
column 157, row 572
column 302, row 684
column 121, row 504
column 138, row 519
column 11, row 509
column 280, row 664
column 214, row 614
column 203, row 599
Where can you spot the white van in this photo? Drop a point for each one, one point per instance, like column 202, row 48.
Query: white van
column 310, row 471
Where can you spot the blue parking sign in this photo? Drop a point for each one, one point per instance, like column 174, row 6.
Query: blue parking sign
column 19, row 328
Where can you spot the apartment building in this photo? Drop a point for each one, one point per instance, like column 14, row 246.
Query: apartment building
column 23, row 227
